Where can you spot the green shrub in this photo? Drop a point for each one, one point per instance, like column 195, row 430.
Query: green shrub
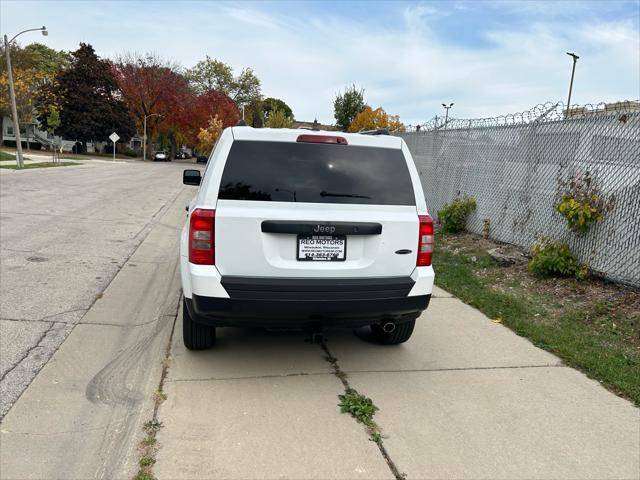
column 130, row 153
column 583, row 205
column 552, row 258
column 454, row 215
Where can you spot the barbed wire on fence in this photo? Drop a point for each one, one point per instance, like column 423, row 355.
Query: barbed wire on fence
column 544, row 112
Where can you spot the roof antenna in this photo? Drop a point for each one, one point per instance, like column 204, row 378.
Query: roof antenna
column 241, row 123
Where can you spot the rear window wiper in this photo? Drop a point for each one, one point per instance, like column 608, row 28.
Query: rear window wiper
column 330, row 194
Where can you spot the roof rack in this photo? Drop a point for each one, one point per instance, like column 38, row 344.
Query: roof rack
column 377, row 131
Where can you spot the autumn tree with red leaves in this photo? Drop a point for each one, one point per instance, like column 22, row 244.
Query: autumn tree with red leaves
column 202, row 109
column 152, row 85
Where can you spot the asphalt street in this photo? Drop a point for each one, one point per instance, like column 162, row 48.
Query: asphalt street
column 64, row 234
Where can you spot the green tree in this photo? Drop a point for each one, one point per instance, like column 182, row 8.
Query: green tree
column 53, row 119
column 278, row 119
column 90, row 104
column 211, row 74
column 45, row 59
column 271, row 104
column 34, row 69
column 347, row 105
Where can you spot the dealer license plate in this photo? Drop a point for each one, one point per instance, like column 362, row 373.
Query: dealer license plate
column 322, row 248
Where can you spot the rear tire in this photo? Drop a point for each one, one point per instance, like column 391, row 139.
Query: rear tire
column 196, row 336
column 401, row 334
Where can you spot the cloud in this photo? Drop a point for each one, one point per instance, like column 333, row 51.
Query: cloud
column 410, row 58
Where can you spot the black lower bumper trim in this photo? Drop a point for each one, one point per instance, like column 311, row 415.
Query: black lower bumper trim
column 330, row 289
column 298, row 313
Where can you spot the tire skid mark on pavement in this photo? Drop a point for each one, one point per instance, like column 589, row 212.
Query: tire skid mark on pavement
column 109, row 386
column 152, row 427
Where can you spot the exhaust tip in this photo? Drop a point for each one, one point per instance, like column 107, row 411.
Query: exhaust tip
column 388, row 327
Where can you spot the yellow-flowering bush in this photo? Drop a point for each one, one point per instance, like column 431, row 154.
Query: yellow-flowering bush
column 579, row 215
column 582, row 205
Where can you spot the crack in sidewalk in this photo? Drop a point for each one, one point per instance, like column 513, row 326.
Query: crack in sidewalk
column 372, row 427
column 348, row 372
column 462, row 369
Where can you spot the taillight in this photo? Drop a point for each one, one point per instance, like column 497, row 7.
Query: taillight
column 309, row 138
column 201, row 237
column 425, row 241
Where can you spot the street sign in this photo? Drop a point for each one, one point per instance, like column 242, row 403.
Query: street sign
column 114, row 137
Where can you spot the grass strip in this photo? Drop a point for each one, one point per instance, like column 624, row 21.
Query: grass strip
column 593, row 339
column 40, row 165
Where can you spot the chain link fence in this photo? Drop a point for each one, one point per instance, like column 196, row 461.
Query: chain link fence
column 517, row 168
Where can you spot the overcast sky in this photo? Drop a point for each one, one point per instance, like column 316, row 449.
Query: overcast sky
column 489, row 58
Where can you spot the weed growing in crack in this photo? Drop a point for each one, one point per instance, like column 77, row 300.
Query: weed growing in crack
column 359, row 406
column 148, row 441
column 147, row 461
column 160, row 396
column 143, row 476
column 152, row 426
column 362, row 409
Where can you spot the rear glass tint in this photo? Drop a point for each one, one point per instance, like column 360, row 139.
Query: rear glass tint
column 316, row 173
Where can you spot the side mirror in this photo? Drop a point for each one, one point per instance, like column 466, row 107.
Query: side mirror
column 191, row 177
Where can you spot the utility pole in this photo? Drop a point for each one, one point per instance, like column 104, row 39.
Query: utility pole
column 12, row 93
column 446, row 116
column 573, row 71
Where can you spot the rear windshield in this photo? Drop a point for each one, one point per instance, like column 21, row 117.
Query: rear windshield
column 316, row 173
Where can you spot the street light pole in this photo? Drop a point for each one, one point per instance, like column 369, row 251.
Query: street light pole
column 446, row 115
column 144, row 136
column 12, row 93
column 573, row 71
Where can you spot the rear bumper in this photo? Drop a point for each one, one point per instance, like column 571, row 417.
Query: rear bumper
column 295, row 303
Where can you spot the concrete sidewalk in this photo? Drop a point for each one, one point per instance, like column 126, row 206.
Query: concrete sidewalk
column 464, row 398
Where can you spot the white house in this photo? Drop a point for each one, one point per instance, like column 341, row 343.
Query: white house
column 39, row 139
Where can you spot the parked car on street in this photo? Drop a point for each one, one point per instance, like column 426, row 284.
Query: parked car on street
column 305, row 230
column 202, row 159
column 161, row 156
column 182, row 155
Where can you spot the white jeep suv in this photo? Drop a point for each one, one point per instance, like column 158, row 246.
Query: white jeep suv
column 305, row 229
